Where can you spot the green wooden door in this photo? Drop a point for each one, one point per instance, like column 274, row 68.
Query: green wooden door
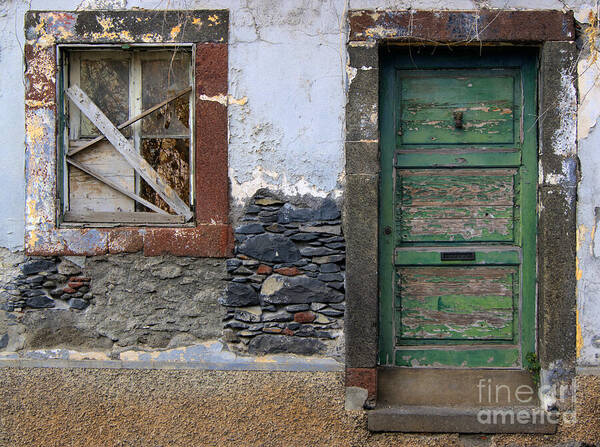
column 458, row 208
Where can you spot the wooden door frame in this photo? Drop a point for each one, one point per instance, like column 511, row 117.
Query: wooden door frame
column 553, row 32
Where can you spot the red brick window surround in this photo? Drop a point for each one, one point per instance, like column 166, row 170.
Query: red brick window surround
column 207, row 30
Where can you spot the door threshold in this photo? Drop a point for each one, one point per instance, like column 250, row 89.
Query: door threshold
column 429, row 419
column 450, row 387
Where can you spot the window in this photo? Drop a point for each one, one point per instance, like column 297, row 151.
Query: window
column 146, row 95
column 160, row 184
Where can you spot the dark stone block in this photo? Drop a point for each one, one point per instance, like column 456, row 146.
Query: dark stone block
column 239, row 295
column 301, row 263
column 252, row 209
column 236, row 325
column 38, row 265
column 332, row 312
column 78, row 303
column 277, row 344
column 32, row 293
column 278, row 289
column 297, row 307
column 329, row 268
column 317, row 251
column 276, row 228
column 267, row 217
column 279, row 316
column 330, row 277
column 338, row 306
column 304, row 237
column 247, row 317
column 4, row 341
column 324, row 334
column 240, row 238
column 336, row 285
column 253, row 228
column 330, row 239
column 7, row 306
column 39, row 302
column 270, row 248
column 310, row 268
column 241, row 270
column 328, row 259
column 305, row 331
column 336, row 245
column 327, row 211
column 37, row 279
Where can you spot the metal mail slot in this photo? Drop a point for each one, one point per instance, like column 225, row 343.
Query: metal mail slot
column 458, row 256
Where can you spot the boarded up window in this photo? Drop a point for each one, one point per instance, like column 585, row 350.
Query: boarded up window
column 148, row 91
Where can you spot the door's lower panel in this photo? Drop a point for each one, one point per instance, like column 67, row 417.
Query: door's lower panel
column 458, row 356
column 457, row 307
column 456, row 303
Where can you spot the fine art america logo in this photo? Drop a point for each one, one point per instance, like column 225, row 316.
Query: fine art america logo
column 520, row 406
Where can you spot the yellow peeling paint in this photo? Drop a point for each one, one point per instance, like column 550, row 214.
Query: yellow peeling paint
column 32, row 239
column 214, row 19
column 578, row 271
column 175, row 31
column 581, row 230
column 264, row 360
column 106, row 23
column 225, row 100
column 578, row 336
column 120, row 36
column 76, row 355
column 36, row 133
column 36, row 103
column 239, row 102
column 149, row 38
column 197, row 21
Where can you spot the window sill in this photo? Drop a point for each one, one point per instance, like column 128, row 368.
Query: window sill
column 117, row 219
column 203, row 240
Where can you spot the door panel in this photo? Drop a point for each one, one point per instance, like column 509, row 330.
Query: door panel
column 467, row 303
column 429, row 100
column 442, row 205
column 459, row 162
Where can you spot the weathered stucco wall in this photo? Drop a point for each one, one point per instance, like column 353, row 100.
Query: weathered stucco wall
column 288, row 78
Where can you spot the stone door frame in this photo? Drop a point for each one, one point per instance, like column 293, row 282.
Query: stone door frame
column 553, row 32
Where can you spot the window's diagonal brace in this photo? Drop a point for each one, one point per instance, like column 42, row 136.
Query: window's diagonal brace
column 124, row 147
column 98, row 176
column 132, row 120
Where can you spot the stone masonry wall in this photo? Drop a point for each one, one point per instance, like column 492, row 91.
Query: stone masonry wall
column 286, row 286
column 109, row 303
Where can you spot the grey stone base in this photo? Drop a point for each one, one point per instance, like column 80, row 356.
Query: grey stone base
column 462, row 420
